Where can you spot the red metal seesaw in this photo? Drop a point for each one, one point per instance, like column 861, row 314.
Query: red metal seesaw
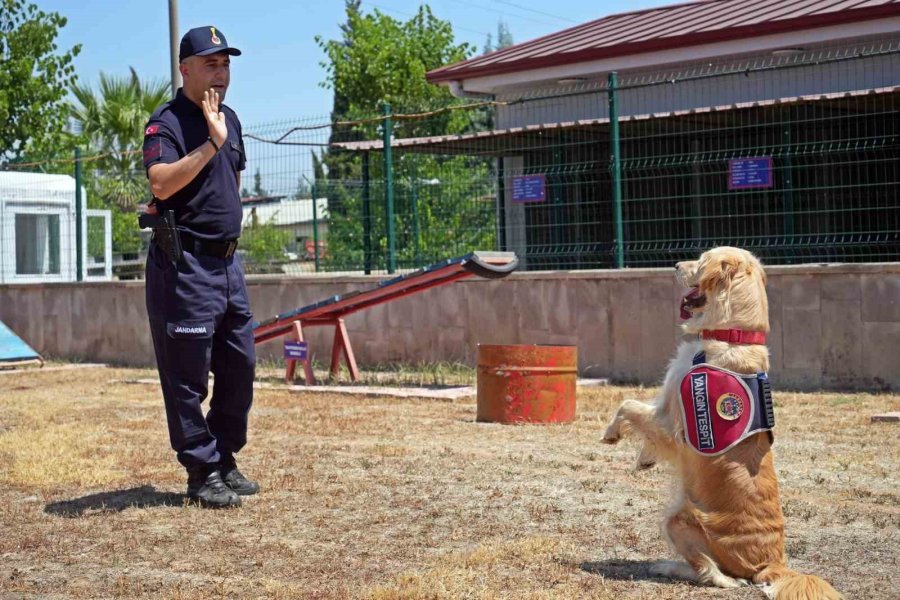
column 331, row 311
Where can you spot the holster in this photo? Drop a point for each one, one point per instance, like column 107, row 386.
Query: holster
column 165, row 234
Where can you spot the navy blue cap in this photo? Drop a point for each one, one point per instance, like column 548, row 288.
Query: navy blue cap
column 202, row 41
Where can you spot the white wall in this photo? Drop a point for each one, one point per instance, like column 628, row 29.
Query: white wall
column 833, row 326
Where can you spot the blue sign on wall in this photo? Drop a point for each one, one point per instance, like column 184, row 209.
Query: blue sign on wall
column 745, row 173
column 529, row 188
column 294, row 350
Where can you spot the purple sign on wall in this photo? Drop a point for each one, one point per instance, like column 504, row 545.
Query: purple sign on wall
column 294, row 350
column 746, row 173
column 529, row 188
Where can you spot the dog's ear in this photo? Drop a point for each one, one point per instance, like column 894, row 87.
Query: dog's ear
column 718, row 273
column 751, row 267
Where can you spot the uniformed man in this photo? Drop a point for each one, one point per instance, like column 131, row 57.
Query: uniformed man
column 198, row 307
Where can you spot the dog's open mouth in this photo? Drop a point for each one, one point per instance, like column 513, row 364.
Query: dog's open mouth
column 691, row 301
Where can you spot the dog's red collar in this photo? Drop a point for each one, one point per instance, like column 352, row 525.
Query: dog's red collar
column 734, row 336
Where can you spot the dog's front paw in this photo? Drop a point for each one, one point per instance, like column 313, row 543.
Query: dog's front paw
column 673, row 569
column 643, row 465
column 612, row 433
column 767, row 588
column 646, row 459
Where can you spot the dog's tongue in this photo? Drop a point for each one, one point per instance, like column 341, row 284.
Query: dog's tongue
column 686, row 301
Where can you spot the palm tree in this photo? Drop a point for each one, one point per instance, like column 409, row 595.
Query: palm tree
column 112, row 123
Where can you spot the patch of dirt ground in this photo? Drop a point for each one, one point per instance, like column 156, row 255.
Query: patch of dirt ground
column 369, row 497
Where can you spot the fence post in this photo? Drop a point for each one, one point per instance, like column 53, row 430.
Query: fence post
column 556, row 201
column 501, row 205
column 414, row 193
column 389, row 189
column 315, row 216
column 79, row 216
column 616, row 167
column 788, row 183
column 367, row 216
column 696, row 202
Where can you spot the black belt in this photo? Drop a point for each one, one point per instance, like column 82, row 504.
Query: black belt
column 195, row 245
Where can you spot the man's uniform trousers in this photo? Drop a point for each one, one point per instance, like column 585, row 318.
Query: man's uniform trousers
column 200, row 320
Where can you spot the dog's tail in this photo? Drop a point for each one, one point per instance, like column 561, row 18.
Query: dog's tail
column 787, row 584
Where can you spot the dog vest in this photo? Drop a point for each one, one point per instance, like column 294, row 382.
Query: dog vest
column 721, row 408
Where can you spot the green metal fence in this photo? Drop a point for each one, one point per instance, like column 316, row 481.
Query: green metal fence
column 376, row 213
column 794, row 178
column 793, row 155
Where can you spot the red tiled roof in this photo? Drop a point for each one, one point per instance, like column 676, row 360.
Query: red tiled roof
column 667, row 27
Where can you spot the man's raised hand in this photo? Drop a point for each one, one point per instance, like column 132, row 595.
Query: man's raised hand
column 218, row 131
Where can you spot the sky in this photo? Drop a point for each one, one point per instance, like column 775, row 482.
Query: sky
column 278, row 77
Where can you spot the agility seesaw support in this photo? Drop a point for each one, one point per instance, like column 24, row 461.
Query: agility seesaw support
column 331, row 311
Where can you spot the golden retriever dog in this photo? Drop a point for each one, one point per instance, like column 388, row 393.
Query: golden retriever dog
column 726, row 519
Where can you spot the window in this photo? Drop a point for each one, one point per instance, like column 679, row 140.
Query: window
column 37, row 244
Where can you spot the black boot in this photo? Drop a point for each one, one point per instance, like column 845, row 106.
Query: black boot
column 206, row 488
column 234, row 479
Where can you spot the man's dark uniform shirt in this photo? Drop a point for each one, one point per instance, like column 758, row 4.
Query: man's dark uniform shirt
column 209, row 207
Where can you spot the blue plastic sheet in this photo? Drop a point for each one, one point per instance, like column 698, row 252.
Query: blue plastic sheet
column 12, row 348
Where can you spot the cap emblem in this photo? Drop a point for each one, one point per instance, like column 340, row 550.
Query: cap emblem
column 214, row 39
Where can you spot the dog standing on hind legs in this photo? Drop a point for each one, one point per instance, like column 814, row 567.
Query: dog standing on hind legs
column 712, row 420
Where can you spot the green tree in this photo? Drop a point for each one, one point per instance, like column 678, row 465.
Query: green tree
column 483, row 118
column 504, row 39
column 264, row 244
column 258, row 190
column 341, row 166
column 112, row 121
column 380, row 59
column 304, row 187
column 33, row 81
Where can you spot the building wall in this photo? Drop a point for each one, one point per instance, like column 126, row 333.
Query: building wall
column 833, row 326
column 846, row 75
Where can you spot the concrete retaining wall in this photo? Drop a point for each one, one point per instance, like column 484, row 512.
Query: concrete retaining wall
column 833, row 326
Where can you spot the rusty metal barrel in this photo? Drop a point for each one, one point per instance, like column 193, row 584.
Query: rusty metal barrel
column 526, row 383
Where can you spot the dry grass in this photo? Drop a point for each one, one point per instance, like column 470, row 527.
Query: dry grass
column 437, row 374
column 401, row 499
